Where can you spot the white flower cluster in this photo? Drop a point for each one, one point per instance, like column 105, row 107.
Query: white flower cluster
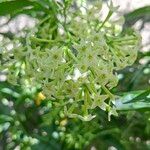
column 77, row 68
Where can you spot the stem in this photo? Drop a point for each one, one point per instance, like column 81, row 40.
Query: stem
column 45, row 19
column 108, row 92
column 124, row 39
column 89, row 88
column 108, row 16
column 65, row 17
column 115, row 55
column 86, row 104
column 44, row 40
column 71, row 55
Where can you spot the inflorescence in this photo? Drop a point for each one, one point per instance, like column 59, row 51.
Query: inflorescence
column 77, row 66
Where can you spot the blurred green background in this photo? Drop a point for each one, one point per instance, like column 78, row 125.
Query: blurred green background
column 25, row 125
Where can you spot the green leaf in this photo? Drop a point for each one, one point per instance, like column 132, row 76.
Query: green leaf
column 134, row 100
column 133, row 96
column 144, row 96
column 137, row 76
column 10, row 7
column 134, row 106
column 137, row 14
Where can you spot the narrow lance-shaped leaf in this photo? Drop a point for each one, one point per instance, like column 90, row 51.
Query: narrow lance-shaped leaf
column 137, row 14
column 134, row 100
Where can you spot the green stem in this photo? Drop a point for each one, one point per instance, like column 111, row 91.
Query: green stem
column 86, row 104
column 71, row 55
column 44, row 40
column 45, row 19
column 108, row 92
column 89, row 88
column 106, row 19
column 115, row 55
column 124, row 39
column 65, row 17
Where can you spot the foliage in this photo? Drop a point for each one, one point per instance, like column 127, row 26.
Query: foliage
column 46, row 60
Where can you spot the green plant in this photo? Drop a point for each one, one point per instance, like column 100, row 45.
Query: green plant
column 77, row 44
column 73, row 58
